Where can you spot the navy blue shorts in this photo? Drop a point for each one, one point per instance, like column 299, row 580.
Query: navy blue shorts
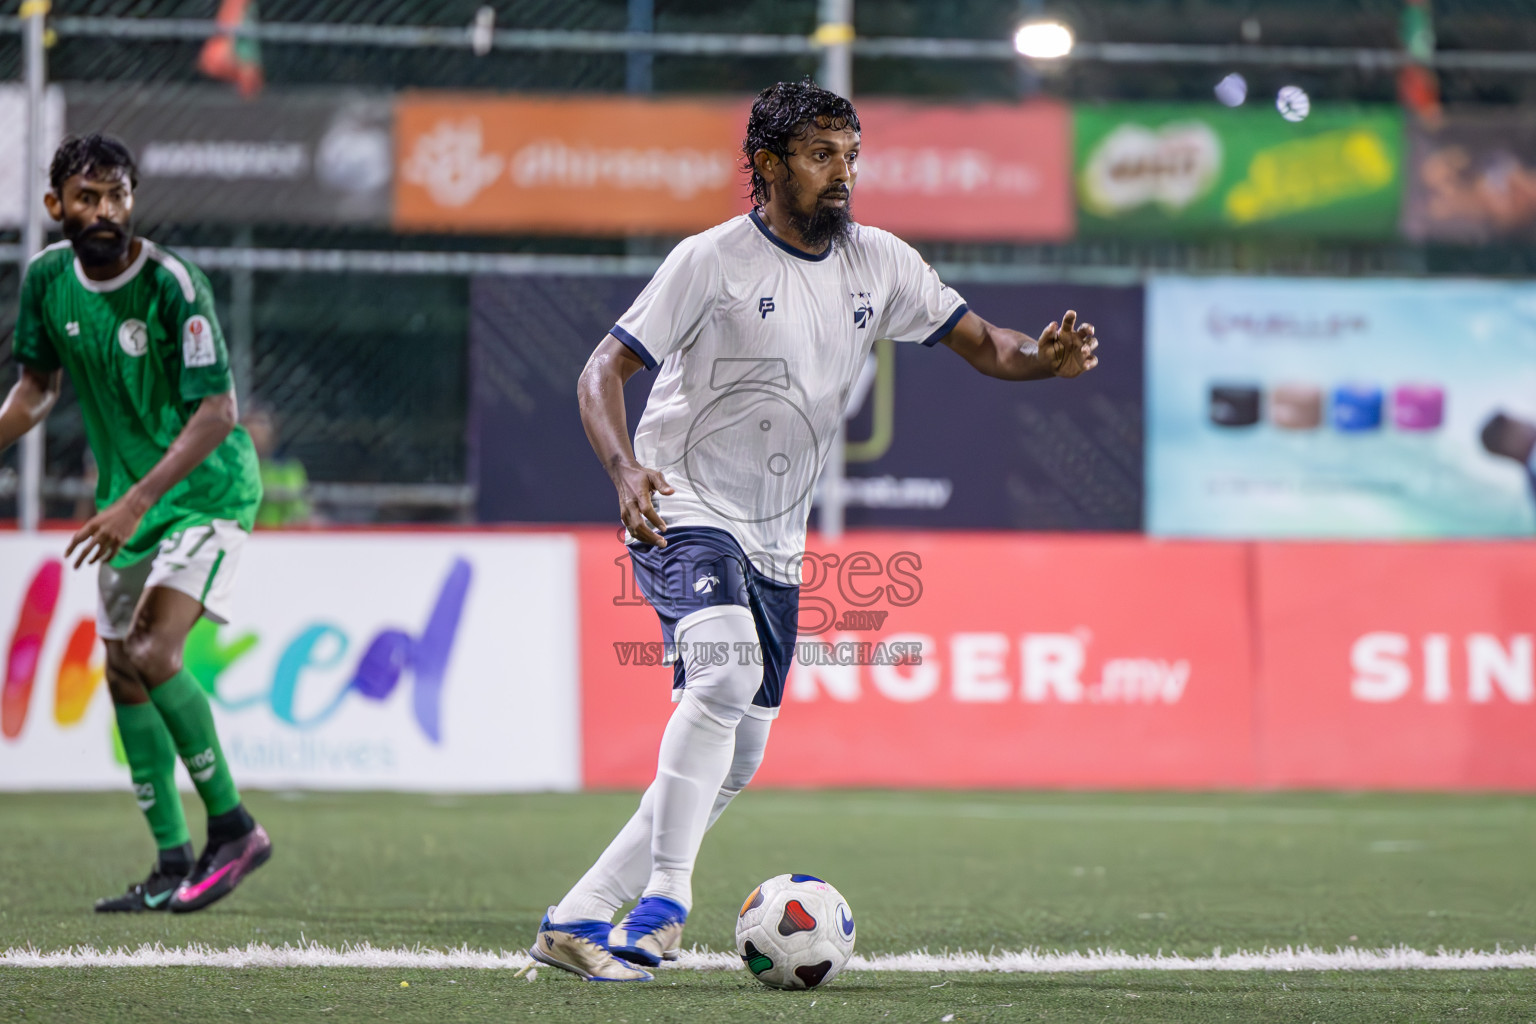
column 702, row 567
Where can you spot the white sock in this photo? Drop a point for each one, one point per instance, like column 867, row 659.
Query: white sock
column 625, row 866
column 617, row 877
column 751, row 742
column 699, row 743
column 695, row 756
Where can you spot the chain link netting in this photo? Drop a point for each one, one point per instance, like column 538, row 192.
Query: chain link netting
column 366, row 373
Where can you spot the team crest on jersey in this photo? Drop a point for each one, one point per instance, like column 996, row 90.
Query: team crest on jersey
column 133, row 337
column 863, row 309
column 197, row 342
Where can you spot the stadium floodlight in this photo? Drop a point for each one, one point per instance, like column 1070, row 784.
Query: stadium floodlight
column 1043, row 40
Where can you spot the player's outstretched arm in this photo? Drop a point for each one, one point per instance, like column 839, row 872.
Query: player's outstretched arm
column 1062, row 350
column 600, row 393
column 28, row 404
column 106, row 532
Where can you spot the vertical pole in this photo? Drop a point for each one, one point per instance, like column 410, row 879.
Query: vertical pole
column 637, row 63
column 835, row 34
column 242, row 323
column 29, row 500
column 638, row 82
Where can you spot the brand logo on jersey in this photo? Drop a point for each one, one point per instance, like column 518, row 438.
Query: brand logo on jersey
column 706, row 584
column 765, row 306
column 72, row 328
column 863, row 309
column 197, row 342
column 133, row 336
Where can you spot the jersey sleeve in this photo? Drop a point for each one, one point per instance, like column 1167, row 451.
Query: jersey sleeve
column 674, row 305
column 922, row 308
column 190, row 318
column 31, row 345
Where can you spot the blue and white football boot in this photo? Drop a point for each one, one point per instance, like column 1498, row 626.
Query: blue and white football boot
column 650, row 933
column 581, row 947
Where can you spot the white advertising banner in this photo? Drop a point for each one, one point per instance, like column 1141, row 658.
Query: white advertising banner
column 443, row 662
column 14, row 199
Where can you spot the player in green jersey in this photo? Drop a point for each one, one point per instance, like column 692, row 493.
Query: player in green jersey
column 176, row 495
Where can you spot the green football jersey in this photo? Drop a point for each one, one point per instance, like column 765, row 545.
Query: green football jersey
column 142, row 350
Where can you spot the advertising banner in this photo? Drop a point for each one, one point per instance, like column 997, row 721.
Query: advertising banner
column 1304, row 408
column 441, row 662
column 1198, row 170
column 14, row 199
column 617, row 166
column 529, row 338
column 952, row 660
column 1397, row 666
column 988, row 172
column 1473, row 179
column 207, row 154
column 1059, row 455
column 588, row 166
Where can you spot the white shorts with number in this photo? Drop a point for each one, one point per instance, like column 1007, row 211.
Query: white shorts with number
column 199, row 561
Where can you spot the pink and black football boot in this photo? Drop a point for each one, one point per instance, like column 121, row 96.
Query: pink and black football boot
column 220, row 869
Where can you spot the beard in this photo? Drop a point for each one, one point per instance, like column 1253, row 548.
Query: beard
column 825, row 223
column 97, row 250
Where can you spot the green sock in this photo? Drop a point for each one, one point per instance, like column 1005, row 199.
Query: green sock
column 184, row 707
column 152, row 765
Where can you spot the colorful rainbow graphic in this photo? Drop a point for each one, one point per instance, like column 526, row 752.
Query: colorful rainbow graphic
column 78, row 677
column 26, row 649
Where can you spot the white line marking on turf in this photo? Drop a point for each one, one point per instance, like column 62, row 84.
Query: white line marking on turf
column 1304, row 958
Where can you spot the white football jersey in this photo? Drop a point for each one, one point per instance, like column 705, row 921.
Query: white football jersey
column 759, row 345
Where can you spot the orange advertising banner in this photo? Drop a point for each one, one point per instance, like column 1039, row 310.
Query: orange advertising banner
column 583, row 166
column 620, row 166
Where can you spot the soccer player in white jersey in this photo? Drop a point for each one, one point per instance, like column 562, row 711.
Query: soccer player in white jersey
column 759, row 328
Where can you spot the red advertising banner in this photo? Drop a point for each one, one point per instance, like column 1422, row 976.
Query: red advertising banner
column 1045, row 661
column 989, row 172
column 1397, row 665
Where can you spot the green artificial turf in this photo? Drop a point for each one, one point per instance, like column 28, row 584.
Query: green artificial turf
column 976, row 871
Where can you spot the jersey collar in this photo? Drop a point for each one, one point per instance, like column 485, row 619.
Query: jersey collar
column 799, row 254
column 114, row 283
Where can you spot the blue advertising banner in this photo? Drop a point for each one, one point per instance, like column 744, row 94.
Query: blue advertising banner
column 529, row 337
column 931, row 442
column 1367, row 409
column 964, row 450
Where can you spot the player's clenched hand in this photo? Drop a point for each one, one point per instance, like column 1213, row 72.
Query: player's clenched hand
column 104, row 535
column 1069, row 346
column 635, row 484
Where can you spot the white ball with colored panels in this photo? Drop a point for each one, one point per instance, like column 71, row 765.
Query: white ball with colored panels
column 795, row 931
column 1293, row 103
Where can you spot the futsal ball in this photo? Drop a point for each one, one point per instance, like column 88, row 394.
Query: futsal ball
column 1293, row 103
column 795, row 931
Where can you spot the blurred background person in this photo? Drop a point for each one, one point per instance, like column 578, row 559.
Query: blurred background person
column 284, row 480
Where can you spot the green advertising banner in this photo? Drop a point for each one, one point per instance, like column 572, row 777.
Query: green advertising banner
column 1201, row 170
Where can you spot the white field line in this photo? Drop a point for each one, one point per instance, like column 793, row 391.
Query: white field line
column 1025, row 962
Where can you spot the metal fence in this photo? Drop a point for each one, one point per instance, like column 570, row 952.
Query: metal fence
column 354, row 336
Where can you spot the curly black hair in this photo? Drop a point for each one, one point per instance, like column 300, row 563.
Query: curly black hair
column 785, row 112
column 90, row 154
